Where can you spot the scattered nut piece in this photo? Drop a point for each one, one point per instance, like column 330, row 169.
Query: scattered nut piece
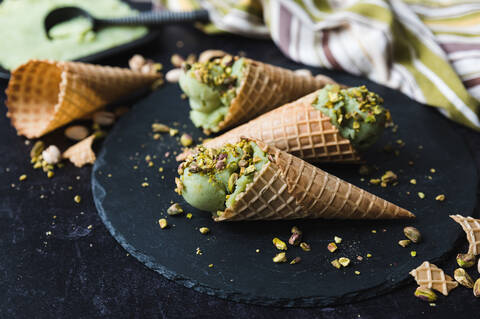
column 425, row 294
column 37, row 149
column 163, row 223
column 211, row 54
column 51, row 155
column 413, row 181
column 174, row 209
column 77, row 199
column 172, row 131
column 22, row 177
column 295, row 239
column 344, row 261
column 103, row 118
column 440, row 198
column 463, row 278
column 335, row 263
column 176, row 60
column 404, row 243
column 432, row 170
column 296, row 260
column 413, row 234
column 466, row 260
column 145, row 184
column 476, row 288
column 389, row 177
column 369, row 255
column 76, row 132
column 332, row 247
column 189, row 215
column 337, row 239
column 357, row 272
column 204, row 230
column 186, row 139
column 160, row 128
column 280, row 258
column 305, row 246
column 413, row 253
column 279, row 244
column 421, row 195
column 375, row 181
column 50, row 174
column 173, row 75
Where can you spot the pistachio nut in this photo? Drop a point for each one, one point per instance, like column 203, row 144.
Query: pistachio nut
column 163, row 223
column 37, row 149
column 344, row 261
column 466, row 260
column 175, row 209
column 425, row 294
column 296, row 260
column 231, row 182
column 476, row 288
column 413, row 234
column 295, row 239
column 160, row 128
column 295, row 230
column 335, row 263
column 332, row 247
column 280, row 258
column 204, row 230
column 186, row 140
column 305, row 246
column 463, row 277
column 404, row 243
column 279, row 244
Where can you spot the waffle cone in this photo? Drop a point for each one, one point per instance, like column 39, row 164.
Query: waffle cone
column 289, row 188
column 430, row 276
column 44, row 95
column 266, row 87
column 296, row 128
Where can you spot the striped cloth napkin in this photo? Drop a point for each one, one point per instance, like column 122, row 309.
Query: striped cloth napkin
column 429, row 50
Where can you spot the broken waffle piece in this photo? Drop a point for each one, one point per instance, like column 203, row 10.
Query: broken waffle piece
column 471, row 226
column 430, row 276
column 81, row 153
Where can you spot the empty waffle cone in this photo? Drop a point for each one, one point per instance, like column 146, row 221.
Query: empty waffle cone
column 289, row 188
column 44, row 95
column 296, row 128
column 471, row 226
column 266, row 87
column 430, row 276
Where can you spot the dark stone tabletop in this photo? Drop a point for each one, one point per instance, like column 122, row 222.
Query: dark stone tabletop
column 80, row 271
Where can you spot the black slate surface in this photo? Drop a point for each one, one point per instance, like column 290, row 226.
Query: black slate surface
column 131, row 211
column 83, row 273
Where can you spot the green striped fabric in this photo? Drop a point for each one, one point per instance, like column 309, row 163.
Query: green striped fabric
column 430, row 50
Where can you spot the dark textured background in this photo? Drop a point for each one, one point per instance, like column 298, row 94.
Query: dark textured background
column 83, row 273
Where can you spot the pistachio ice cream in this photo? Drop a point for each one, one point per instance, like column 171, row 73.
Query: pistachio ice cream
column 356, row 112
column 211, row 179
column 211, row 86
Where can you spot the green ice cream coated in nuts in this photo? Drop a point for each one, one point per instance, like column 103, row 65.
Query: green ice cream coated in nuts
column 356, row 112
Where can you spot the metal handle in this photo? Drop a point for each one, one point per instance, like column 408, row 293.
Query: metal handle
column 151, row 19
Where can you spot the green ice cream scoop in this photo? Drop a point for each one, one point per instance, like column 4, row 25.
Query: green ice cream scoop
column 211, row 86
column 211, row 179
column 356, row 112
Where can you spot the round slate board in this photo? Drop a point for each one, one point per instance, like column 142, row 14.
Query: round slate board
column 239, row 272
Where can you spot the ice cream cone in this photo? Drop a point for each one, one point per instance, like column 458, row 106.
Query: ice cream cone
column 471, row 226
column 289, row 188
column 44, row 95
column 81, row 153
column 296, row 128
column 266, row 87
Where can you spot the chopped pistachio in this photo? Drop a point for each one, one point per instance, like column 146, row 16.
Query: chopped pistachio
column 421, row 195
column 163, row 223
column 413, row 181
column 172, row 131
column 440, row 198
column 22, row 177
column 305, row 246
column 210, row 266
column 160, row 128
column 344, row 261
column 413, row 234
column 204, row 230
column 335, row 263
column 189, row 215
column 375, row 181
column 279, row 244
column 413, row 253
column 77, row 199
column 186, row 139
column 296, row 260
column 145, row 184
column 37, row 149
column 174, row 209
column 389, row 177
column 50, row 174
column 295, row 230
column 295, row 239
column 332, row 247
column 280, row 258
column 337, row 239
column 404, row 243
column 432, row 170
column 369, row 255
column 357, row 272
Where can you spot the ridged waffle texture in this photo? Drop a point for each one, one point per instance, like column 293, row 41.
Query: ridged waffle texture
column 290, row 188
column 81, row 153
column 430, row 276
column 471, row 226
column 266, row 87
column 44, row 95
column 296, row 128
